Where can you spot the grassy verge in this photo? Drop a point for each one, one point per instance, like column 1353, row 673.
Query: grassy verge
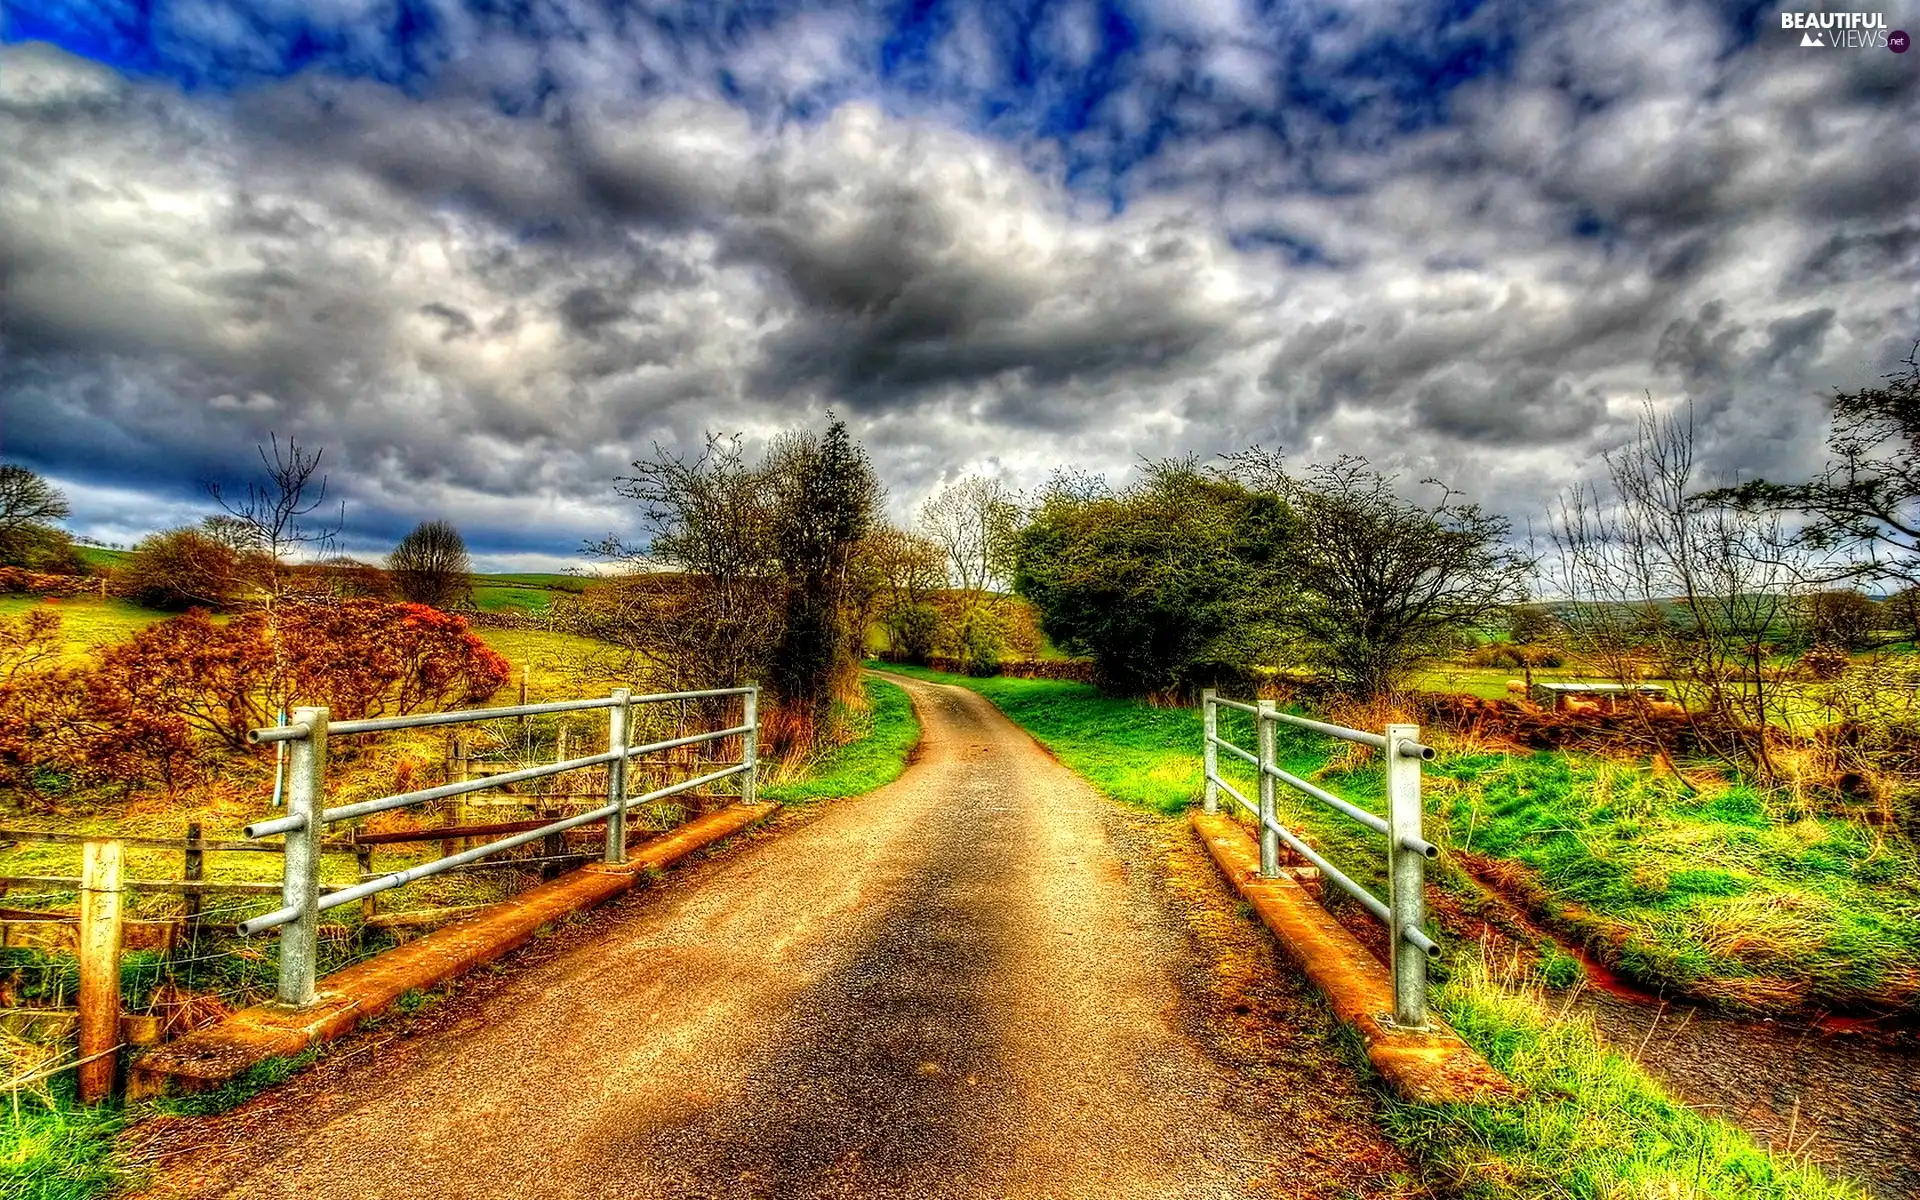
column 886, row 735
column 1709, row 893
column 1593, row 1126
column 53, row 1149
column 87, row 623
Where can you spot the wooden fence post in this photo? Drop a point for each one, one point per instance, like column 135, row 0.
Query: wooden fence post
column 456, row 773
column 100, row 920
column 555, row 844
column 363, row 864
column 196, row 870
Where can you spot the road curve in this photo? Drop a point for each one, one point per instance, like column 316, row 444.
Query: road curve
column 953, row 986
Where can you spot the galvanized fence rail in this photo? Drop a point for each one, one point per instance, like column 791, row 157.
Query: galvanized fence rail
column 1404, row 912
column 303, row 899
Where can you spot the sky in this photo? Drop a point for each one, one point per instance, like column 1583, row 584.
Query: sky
column 487, row 252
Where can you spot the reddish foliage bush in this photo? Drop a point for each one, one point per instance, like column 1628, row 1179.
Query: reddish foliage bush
column 141, row 711
column 18, row 581
column 359, row 658
column 43, row 731
column 362, row 658
column 215, row 678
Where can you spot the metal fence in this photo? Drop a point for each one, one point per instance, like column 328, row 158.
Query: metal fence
column 1405, row 910
column 308, row 816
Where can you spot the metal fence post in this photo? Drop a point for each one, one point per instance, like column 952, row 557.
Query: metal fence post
column 617, row 778
column 1210, row 753
column 1406, row 873
column 1266, row 722
column 750, row 753
column 300, row 886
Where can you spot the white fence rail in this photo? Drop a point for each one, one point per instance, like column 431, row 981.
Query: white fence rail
column 308, row 816
column 1404, row 912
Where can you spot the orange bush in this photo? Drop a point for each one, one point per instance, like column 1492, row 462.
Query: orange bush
column 363, row 658
column 360, row 658
column 145, row 709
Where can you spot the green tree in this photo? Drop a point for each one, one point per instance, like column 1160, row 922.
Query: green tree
column 29, row 506
column 827, row 498
column 1174, row 580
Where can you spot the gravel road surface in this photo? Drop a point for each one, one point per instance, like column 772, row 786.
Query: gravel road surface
column 983, row 980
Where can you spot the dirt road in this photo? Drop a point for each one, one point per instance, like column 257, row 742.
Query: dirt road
column 981, row 981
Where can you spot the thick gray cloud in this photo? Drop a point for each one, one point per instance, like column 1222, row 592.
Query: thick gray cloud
column 485, row 316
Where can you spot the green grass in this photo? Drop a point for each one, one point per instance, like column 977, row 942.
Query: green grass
column 1593, row 1127
column 242, row 1087
column 511, row 598
column 100, row 556
column 527, row 591
column 1591, row 1124
column 885, row 738
column 54, row 1149
column 556, row 581
column 1713, row 893
column 1129, row 750
column 87, row 623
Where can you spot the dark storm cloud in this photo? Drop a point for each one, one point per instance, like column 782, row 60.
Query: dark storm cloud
column 1459, row 241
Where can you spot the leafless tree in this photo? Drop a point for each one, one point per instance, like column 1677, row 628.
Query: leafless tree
column 1660, row 582
column 272, row 514
column 237, row 535
column 697, row 607
column 973, row 521
column 29, row 506
column 28, row 499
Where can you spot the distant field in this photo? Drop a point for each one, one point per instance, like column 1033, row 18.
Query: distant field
column 504, row 591
column 524, row 592
column 96, row 556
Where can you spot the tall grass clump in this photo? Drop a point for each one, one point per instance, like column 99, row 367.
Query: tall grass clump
column 50, row 1147
column 884, row 736
column 1590, row 1125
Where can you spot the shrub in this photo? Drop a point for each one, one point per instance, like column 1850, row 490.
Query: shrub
column 351, row 579
column 363, row 658
column 1513, row 657
column 914, row 631
column 980, row 644
column 43, row 732
column 18, row 581
column 1825, row 662
column 359, row 658
column 182, row 569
